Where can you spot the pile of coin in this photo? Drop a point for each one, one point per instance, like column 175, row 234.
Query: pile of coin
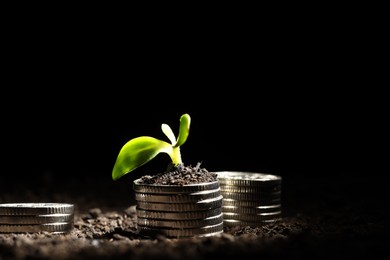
column 36, row 217
column 250, row 198
column 179, row 211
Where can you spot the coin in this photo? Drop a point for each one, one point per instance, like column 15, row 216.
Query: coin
column 205, row 231
column 264, row 198
column 251, row 189
column 250, row 198
column 188, row 223
column 252, row 210
column 178, row 198
column 172, row 189
column 60, row 227
column 36, row 219
column 252, row 217
column 248, row 203
column 181, row 207
column 249, row 179
column 179, row 210
column 235, row 222
column 35, row 208
column 182, row 215
column 249, row 176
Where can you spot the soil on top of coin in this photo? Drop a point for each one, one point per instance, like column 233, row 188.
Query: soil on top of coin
column 181, row 175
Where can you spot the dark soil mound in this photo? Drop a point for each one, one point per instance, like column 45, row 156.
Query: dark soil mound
column 181, row 175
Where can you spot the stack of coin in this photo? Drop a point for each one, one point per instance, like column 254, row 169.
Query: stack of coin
column 179, row 211
column 250, row 198
column 36, row 217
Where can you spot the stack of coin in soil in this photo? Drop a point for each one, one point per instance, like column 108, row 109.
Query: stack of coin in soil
column 192, row 210
column 250, row 198
column 36, row 217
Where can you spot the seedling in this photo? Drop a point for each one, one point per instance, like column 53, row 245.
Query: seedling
column 141, row 150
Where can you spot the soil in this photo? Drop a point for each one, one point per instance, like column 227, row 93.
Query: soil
column 181, row 175
column 323, row 218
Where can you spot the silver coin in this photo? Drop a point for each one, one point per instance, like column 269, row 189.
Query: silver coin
column 35, row 208
column 235, row 222
column 253, row 176
column 247, row 178
column 247, row 183
column 183, row 215
column 172, row 189
column 180, row 207
column 251, row 189
column 36, row 219
column 205, row 231
column 251, row 210
column 270, row 197
column 178, row 198
column 250, row 203
column 252, row 217
column 61, row 227
column 189, row 223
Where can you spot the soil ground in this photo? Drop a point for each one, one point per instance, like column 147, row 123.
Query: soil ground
column 324, row 217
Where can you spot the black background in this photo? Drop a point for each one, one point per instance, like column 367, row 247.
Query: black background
column 294, row 97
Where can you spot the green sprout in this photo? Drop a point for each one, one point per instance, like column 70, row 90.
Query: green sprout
column 141, row 150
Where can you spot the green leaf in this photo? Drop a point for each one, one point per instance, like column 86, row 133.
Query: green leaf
column 137, row 152
column 169, row 133
column 185, row 121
